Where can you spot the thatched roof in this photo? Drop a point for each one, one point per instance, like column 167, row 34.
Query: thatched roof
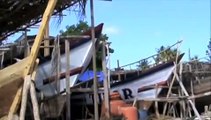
column 16, row 15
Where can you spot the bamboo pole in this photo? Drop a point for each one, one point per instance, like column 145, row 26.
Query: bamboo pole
column 156, row 104
column 105, row 82
column 29, row 86
column 96, row 116
column 26, row 85
column 67, row 52
column 33, row 94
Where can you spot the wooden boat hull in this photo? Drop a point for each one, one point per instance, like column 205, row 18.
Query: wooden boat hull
column 139, row 88
column 11, row 77
column 79, row 57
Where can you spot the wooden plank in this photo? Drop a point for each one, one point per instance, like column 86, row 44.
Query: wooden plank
column 67, row 52
column 46, row 42
column 95, row 81
column 63, row 75
column 156, row 104
column 105, row 83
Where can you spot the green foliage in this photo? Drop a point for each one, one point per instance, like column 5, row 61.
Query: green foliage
column 165, row 54
column 144, row 64
column 76, row 29
column 195, row 58
column 79, row 29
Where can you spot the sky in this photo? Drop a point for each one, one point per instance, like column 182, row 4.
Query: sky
column 137, row 28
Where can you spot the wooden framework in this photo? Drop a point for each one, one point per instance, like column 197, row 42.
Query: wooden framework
column 25, row 67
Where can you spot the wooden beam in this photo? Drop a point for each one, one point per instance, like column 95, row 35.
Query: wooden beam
column 46, row 42
column 26, row 86
column 105, row 83
column 13, row 72
column 67, row 52
column 63, row 75
column 95, row 81
column 33, row 94
column 35, row 48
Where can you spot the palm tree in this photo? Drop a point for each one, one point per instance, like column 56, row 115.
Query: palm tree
column 144, row 64
column 165, row 54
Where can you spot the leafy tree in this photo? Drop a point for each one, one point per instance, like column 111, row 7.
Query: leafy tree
column 144, row 64
column 79, row 29
column 76, row 29
column 165, row 54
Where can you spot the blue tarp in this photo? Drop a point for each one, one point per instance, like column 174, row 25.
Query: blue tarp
column 89, row 74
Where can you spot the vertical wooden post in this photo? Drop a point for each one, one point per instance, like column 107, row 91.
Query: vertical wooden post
column 58, row 65
column 180, row 103
column 108, row 55
column 94, row 62
column 118, row 64
column 67, row 52
column 46, row 41
column 105, row 83
column 156, row 104
column 26, row 46
column 2, row 60
column 118, row 68
column 192, row 90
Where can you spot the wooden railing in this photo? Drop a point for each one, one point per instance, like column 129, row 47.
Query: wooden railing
column 151, row 60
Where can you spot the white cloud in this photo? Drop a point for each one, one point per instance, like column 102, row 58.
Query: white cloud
column 111, row 30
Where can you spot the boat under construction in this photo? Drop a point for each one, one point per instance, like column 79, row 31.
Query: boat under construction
column 49, row 77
